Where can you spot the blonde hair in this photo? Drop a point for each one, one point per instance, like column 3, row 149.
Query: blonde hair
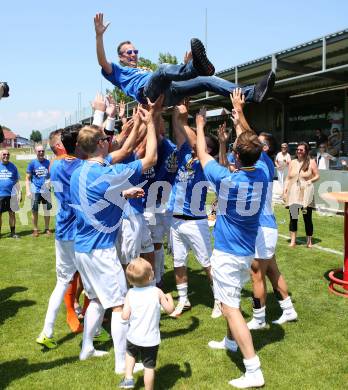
column 88, row 138
column 139, row 272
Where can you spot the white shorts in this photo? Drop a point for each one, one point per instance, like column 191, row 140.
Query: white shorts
column 266, row 242
column 190, row 234
column 230, row 273
column 133, row 238
column 157, row 223
column 65, row 261
column 102, row 276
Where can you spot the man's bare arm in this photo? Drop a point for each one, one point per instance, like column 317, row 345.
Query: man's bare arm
column 203, row 156
column 100, row 28
column 238, row 102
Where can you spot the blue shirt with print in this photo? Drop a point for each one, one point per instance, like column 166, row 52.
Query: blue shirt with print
column 241, row 197
column 189, row 191
column 267, row 218
column 161, row 177
column 96, row 197
column 130, row 80
column 39, row 171
column 61, row 171
column 8, row 178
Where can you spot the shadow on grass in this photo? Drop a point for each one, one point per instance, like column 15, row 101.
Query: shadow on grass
column 8, row 307
column 199, row 290
column 180, row 332
column 167, row 376
column 19, row 368
column 303, row 240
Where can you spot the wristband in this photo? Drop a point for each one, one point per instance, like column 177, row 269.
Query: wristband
column 110, row 124
column 98, row 118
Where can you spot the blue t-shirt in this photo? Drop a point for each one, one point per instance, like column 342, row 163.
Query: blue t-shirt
column 161, row 177
column 267, row 218
column 96, row 197
column 8, row 178
column 132, row 206
column 241, row 197
column 130, row 80
column 39, row 173
column 189, row 192
column 61, row 171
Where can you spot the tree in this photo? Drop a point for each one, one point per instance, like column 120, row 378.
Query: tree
column 167, row 58
column 36, row 136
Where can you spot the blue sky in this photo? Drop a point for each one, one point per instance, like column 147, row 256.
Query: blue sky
column 48, row 48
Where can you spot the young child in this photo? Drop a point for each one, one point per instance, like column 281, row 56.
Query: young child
column 142, row 309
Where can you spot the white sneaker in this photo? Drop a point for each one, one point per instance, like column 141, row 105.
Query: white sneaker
column 180, row 308
column 216, row 313
column 92, row 353
column 254, row 379
column 137, row 367
column 286, row 317
column 229, row 345
column 254, row 324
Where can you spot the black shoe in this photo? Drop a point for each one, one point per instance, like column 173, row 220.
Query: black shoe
column 200, row 60
column 264, row 87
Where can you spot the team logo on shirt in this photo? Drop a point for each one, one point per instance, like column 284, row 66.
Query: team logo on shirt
column 150, row 173
column 171, row 163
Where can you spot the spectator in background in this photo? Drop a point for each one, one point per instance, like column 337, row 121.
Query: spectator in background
column 320, row 138
column 282, row 162
column 38, row 188
column 323, row 158
column 335, row 117
column 9, row 190
column 335, row 142
column 299, row 191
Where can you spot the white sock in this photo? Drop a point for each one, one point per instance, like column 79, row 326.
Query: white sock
column 286, row 305
column 159, row 264
column 182, row 291
column 252, row 365
column 260, row 314
column 54, row 303
column 93, row 319
column 119, row 330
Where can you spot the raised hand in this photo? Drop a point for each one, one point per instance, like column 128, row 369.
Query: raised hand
column 99, row 26
column 187, row 57
column 99, row 102
column 111, row 106
column 223, row 134
column 127, row 127
column 133, row 193
column 181, row 113
column 122, row 109
column 237, row 99
column 201, row 117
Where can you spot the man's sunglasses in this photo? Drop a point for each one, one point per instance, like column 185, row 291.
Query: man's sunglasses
column 129, row 52
column 6, row 154
column 106, row 138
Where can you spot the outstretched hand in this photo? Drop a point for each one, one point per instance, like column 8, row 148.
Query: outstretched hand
column 237, row 99
column 133, row 193
column 235, row 118
column 99, row 26
column 111, row 106
column 181, row 113
column 201, row 117
column 99, row 102
column 187, row 57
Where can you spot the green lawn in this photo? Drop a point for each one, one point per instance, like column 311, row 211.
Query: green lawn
column 309, row 354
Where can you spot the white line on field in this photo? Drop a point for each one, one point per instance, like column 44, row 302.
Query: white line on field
column 320, row 248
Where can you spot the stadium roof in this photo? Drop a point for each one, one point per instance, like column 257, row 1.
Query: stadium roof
column 311, row 67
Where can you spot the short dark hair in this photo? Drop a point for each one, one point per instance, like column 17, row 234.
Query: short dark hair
column 120, row 46
column 52, row 139
column 248, row 147
column 69, row 138
column 213, row 144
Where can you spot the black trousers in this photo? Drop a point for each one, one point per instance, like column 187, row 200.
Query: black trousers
column 307, row 218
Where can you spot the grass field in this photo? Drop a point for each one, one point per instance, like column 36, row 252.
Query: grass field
column 309, row 354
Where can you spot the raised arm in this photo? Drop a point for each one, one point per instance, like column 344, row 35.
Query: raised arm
column 202, row 154
column 223, row 137
column 150, row 118
column 181, row 112
column 238, row 102
column 100, row 28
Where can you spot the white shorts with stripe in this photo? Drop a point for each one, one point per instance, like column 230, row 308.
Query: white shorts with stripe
column 266, row 242
column 65, row 260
